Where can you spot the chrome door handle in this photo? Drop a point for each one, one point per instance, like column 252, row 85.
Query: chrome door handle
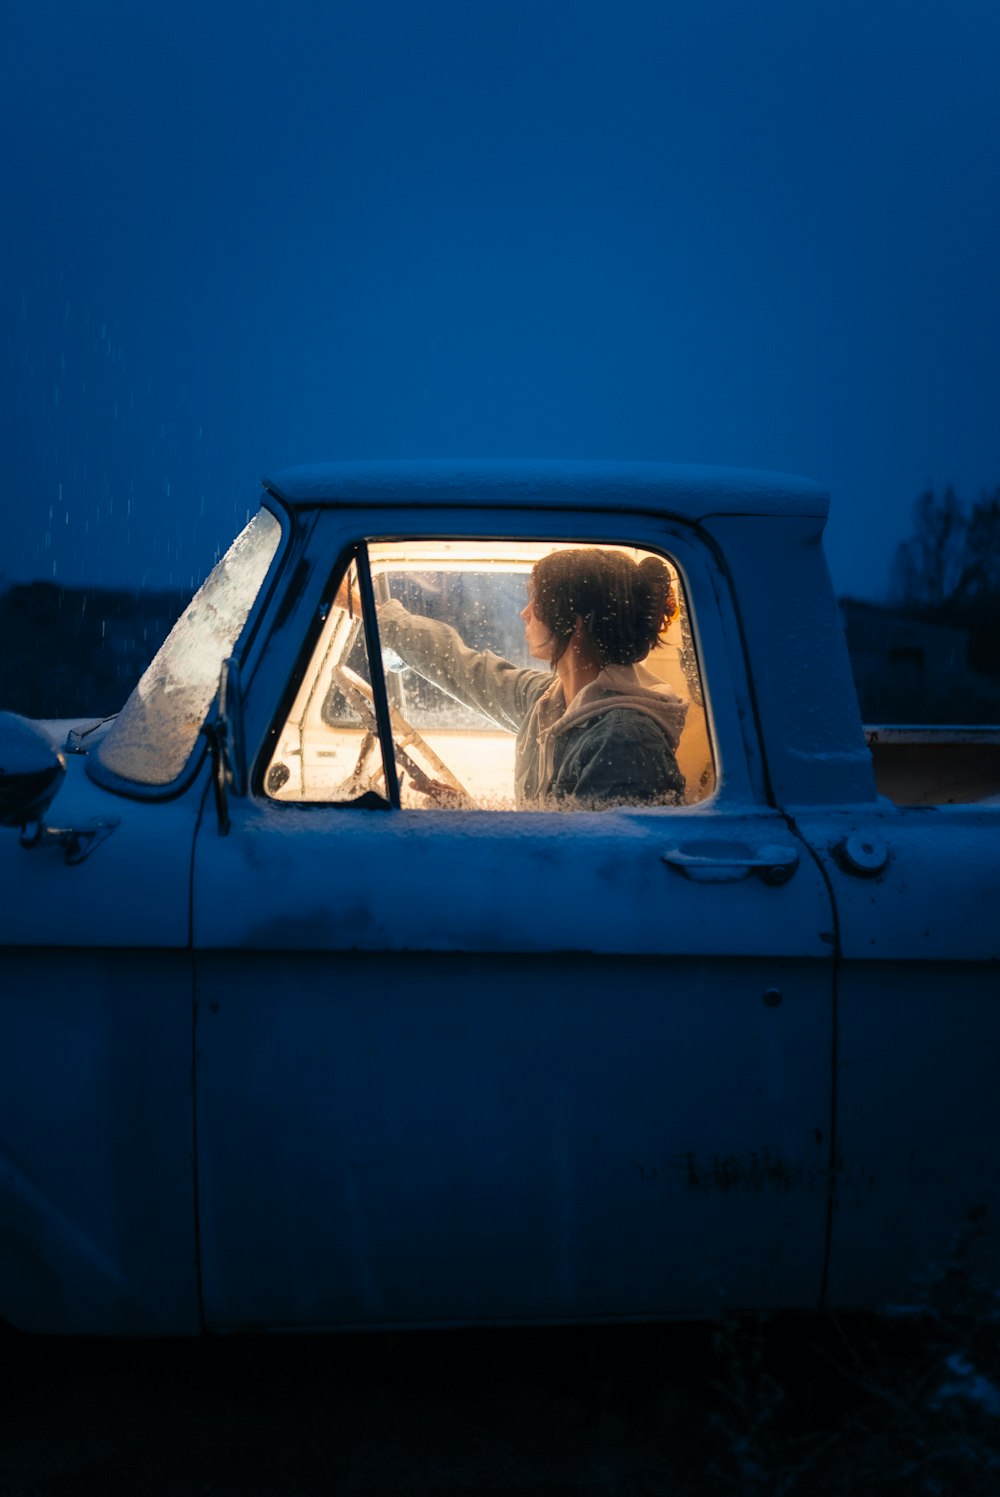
column 728, row 862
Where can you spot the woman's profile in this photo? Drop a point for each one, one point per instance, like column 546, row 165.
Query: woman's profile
column 595, row 728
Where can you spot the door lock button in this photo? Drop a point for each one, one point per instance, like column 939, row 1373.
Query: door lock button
column 862, row 855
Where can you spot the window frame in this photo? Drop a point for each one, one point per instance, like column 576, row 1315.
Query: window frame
column 714, row 632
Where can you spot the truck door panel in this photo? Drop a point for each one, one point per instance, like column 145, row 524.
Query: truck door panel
column 477, row 1065
column 918, row 1040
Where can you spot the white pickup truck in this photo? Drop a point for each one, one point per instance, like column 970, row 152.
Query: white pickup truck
column 306, row 1020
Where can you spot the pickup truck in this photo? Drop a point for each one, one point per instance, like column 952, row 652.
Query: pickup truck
column 307, row 1023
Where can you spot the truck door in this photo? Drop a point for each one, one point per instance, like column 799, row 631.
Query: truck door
column 918, row 1005
column 479, row 1063
column 97, row 1178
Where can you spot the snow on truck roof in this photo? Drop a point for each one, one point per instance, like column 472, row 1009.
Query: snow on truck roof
column 689, row 492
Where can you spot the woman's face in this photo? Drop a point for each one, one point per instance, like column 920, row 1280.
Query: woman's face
column 541, row 640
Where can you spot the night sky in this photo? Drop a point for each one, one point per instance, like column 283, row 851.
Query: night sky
column 753, row 232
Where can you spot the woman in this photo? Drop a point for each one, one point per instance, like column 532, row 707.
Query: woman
column 596, row 728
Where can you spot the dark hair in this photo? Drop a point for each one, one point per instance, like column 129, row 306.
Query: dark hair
column 624, row 605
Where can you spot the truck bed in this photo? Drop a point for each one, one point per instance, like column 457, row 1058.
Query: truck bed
column 932, row 766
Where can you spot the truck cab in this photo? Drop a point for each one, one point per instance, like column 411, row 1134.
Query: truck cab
column 458, row 1058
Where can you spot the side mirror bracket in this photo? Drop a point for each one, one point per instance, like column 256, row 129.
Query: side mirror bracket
column 227, row 742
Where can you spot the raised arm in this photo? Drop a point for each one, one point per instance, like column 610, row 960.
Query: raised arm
column 479, row 679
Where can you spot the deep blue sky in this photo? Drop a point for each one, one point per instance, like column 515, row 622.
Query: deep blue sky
column 758, row 232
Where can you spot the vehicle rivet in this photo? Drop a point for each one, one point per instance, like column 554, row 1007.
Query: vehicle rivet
column 772, row 997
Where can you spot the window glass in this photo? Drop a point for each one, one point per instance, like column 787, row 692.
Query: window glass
column 328, row 749
column 153, row 736
column 495, row 702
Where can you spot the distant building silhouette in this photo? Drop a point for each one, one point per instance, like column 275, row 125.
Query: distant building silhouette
column 77, row 652
column 908, row 669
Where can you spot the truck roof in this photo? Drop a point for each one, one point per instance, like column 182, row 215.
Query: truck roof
column 689, row 492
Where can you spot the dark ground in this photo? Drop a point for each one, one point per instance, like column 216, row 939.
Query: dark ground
column 691, row 1411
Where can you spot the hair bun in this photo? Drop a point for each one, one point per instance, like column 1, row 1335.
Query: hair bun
column 625, row 607
column 662, row 597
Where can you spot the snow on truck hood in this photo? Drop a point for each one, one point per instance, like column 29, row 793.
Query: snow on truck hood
column 689, row 492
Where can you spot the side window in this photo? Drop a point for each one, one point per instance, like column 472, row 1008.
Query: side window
column 519, row 676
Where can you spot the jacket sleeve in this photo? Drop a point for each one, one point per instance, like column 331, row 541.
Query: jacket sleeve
column 476, row 678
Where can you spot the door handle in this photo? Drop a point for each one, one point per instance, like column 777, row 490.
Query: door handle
column 728, row 862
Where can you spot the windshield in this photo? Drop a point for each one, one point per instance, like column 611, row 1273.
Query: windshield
column 153, row 737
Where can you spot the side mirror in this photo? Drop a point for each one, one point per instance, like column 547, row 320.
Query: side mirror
column 31, row 771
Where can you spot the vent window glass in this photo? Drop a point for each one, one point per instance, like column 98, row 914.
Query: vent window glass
column 154, row 735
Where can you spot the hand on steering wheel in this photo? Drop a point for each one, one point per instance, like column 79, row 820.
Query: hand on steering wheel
column 440, row 783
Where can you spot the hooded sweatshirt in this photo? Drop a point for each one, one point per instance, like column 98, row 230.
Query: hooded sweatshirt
column 614, row 744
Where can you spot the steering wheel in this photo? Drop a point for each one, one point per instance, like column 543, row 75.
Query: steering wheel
column 440, row 784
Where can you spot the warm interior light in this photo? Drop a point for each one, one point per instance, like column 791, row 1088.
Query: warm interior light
column 328, row 749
